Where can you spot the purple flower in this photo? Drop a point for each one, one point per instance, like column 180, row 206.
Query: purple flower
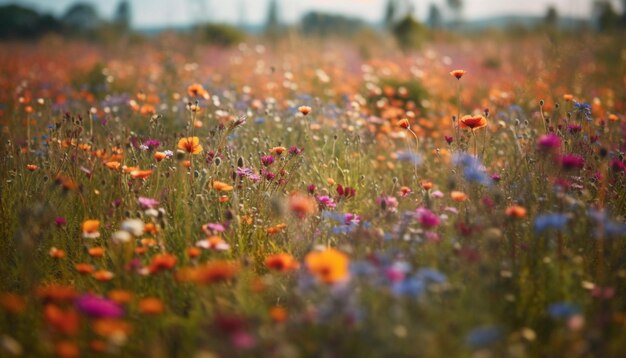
column 574, row 128
column 387, row 202
column 152, row 143
column 98, row 307
column 293, row 150
column 147, row 203
column 311, row 188
column 243, row 172
column 60, row 221
column 548, row 142
column 351, row 219
column 267, row 160
column 326, row 201
column 213, row 228
column 427, row 218
column 572, row 161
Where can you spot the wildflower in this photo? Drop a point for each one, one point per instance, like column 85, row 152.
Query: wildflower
column 67, row 349
column 190, row 145
column 302, row 205
column 548, row 142
column 90, row 229
column 404, row 191
column 96, row 251
column 221, row 186
column 305, row 110
column 98, row 307
column 152, row 144
column 120, row 297
column 213, row 243
column 293, row 150
column 482, row 337
column 275, row 229
column 197, row 90
column 329, row 266
column 457, row 74
column 140, row 174
column 458, row 196
column 473, row 122
column 427, row 218
column 281, row 262
column 31, row 167
column 65, row 321
column 311, row 189
column 151, row 306
column 550, row 221
column 12, row 302
column 584, row 109
column 56, row 253
column 613, row 117
column 278, row 314
column 448, row 139
column 60, row 221
column 133, row 226
column 267, row 160
column 111, row 327
column 515, row 211
column 147, row 203
column 574, row 128
column 103, row 275
column 211, row 272
column 56, row 293
column 162, row 262
column 561, row 310
column 326, row 201
column 388, row 203
column 404, row 123
column 121, row 237
column 213, row 228
column 277, row 150
column 194, row 252
column 159, row 156
column 347, row 192
column 568, row 97
column 572, row 161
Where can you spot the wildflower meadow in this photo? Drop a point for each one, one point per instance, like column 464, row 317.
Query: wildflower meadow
column 296, row 195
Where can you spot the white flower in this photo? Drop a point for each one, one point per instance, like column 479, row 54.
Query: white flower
column 133, row 226
column 121, row 237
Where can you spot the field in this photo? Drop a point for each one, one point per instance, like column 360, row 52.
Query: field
column 301, row 198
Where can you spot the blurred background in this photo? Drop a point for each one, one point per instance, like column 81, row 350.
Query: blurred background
column 410, row 22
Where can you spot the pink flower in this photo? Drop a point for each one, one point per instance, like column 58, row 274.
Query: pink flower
column 548, row 142
column 427, row 218
column 326, row 201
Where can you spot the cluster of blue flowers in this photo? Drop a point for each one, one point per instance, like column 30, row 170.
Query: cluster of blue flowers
column 473, row 170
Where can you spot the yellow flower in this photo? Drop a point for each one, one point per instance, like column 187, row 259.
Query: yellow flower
column 190, row 145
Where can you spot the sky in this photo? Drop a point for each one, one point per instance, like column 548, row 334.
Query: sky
column 151, row 13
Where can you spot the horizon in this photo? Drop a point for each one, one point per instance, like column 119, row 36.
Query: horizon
column 166, row 13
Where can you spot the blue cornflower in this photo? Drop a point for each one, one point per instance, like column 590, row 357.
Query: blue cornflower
column 561, row 310
column 550, row 221
column 473, row 170
column 584, row 109
column 409, row 156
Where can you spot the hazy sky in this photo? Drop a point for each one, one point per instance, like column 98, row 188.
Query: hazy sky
column 148, row 13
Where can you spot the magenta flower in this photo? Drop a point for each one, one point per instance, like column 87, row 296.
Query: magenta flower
column 60, row 221
column 267, row 160
column 572, row 161
column 326, row 201
column 387, row 202
column 98, row 307
column 548, row 142
column 147, row 203
column 427, row 218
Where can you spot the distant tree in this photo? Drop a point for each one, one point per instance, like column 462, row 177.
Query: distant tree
column 122, row 17
column 605, row 16
column 24, row 23
column 81, row 17
column 409, row 33
column 272, row 24
column 435, row 19
column 456, row 6
column 552, row 17
column 390, row 13
column 321, row 24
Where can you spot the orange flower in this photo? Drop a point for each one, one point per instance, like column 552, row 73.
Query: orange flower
column 190, row 145
column 277, row 150
column 196, row 90
column 613, row 117
column 96, row 251
column 97, row 346
column 302, row 205
column 211, row 272
column 140, row 174
column 32, row 167
column 67, row 349
column 458, row 196
column 162, row 262
column 457, row 73
column 515, row 211
column 115, row 165
column 330, row 266
column 151, row 228
column 103, row 275
column 65, row 321
column 159, row 156
column 109, row 327
column 568, row 97
column 224, row 199
column 404, row 123
column 281, row 262
column 221, row 186
column 90, row 229
column 427, row 184
column 57, row 253
column 278, row 314
column 147, row 110
column 473, row 122
column 151, row 306
column 56, row 293
column 275, row 229
column 193, row 252
column 121, row 296
column 186, row 163
column 83, row 268
column 304, row 110
column 12, row 303
column 405, row 191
